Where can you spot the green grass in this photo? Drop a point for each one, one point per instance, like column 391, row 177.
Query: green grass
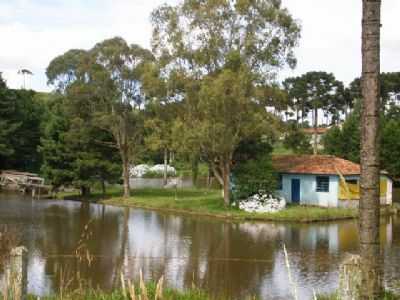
column 386, row 296
column 280, row 149
column 209, row 203
column 168, row 294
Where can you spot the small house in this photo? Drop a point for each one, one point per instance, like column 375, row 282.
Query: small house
column 323, row 180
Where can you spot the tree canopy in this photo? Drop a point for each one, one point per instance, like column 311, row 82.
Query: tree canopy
column 223, row 52
column 103, row 86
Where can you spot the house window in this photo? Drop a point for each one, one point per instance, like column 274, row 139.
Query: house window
column 352, row 181
column 280, row 183
column 322, row 183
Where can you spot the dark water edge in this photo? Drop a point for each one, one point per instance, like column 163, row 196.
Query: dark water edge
column 233, row 259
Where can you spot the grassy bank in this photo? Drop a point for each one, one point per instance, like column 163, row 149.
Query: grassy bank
column 167, row 294
column 385, row 296
column 209, row 203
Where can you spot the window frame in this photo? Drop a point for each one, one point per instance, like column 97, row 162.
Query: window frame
column 322, row 184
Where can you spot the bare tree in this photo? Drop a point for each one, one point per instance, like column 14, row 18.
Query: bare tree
column 370, row 168
column 24, row 73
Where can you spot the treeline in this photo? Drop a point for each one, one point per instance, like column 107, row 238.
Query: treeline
column 344, row 141
column 21, row 116
column 202, row 94
column 320, row 92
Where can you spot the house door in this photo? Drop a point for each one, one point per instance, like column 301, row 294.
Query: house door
column 295, row 190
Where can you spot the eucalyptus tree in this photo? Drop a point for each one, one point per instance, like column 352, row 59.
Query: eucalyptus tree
column 107, row 81
column 371, row 272
column 224, row 50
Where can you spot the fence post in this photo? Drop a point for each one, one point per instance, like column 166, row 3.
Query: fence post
column 18, row 273
column 350, row 278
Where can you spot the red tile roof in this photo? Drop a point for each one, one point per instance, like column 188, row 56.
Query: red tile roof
column 314, row 164
column 320, row 130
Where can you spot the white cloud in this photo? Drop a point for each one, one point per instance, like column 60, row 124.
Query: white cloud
column 35, row 31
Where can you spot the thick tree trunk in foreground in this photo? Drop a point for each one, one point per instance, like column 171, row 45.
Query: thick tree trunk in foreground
column 370, row 168
column 315, row 142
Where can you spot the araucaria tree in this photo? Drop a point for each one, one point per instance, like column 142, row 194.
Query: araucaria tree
column 370, row 168
column 107, row 80
column 316, row 91
column 223, row 50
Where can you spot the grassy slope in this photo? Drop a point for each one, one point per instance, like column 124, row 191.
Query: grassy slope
column 210, row 203
column 279, row 149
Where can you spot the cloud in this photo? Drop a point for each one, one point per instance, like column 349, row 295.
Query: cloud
column 35, row 31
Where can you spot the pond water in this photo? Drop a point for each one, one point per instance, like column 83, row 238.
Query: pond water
column 224, row 258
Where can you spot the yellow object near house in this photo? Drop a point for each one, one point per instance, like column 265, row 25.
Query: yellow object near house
column 351, row 191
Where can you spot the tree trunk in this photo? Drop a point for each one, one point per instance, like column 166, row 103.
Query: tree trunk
column 195, row 169
column 125, row 174
column 165, row 181
column 227, row 183
column 370, row 168
column 315, row 142
column 103, row 187
column 85, row 191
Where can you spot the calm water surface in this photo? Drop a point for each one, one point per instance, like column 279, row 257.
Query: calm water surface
column 225, row 258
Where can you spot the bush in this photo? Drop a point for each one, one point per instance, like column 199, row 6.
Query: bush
column 297, row 141
column 154, row 174
column 252, row 177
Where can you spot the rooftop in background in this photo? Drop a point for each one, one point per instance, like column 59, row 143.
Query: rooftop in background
column 314, row 164
column 320, row 130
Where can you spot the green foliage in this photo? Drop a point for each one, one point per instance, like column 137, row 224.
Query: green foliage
column 57, row 157
column 389, row 85
column 218, row 71
column 390, row 147
column 92, row 294
column 20, row 128
column 209, row 203
column 253, row 171
column 297, row 141
column 387, row 295
column 7, row 126
column 260, row 35
column 314, row 91
column 254, row 176
column 154, row 174
column 103, row 86
column 73, row 152
column 345, row 142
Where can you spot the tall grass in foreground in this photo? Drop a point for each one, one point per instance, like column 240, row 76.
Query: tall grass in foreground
column 334, row 296
column 149, row 291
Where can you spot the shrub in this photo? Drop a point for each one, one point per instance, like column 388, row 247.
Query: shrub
column 252, row 177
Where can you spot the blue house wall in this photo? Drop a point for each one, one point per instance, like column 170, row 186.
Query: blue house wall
column 308, row 190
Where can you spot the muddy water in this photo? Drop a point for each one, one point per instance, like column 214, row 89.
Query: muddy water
column 225, row 258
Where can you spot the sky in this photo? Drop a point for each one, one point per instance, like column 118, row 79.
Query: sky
column 33, row 32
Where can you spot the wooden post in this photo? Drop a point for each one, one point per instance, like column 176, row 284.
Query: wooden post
column 18, row 275
column 350, row 278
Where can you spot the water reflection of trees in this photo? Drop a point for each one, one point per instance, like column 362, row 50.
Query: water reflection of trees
column 226, row 258
column 61, row 227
